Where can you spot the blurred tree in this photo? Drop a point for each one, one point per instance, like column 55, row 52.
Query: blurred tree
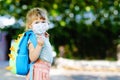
column 88, row 29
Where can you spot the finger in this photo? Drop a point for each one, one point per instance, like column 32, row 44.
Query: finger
column 46, row 34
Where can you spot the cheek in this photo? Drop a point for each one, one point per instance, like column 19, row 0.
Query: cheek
column 30, row 26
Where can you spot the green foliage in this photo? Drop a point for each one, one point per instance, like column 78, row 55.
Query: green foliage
column 85, row 37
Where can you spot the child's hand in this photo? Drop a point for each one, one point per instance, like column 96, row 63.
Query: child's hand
column 46, row 35
column 40, row 41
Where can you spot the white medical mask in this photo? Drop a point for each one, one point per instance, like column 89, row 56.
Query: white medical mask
column 40, row 28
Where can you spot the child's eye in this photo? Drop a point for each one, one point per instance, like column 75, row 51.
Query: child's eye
column 43, row 21
column 37, row 22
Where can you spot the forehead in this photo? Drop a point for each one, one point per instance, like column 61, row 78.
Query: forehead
column 39, row 20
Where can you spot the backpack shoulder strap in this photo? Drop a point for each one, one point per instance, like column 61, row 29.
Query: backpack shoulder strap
column 33, row 39
column 24, row 41
column 31, row 71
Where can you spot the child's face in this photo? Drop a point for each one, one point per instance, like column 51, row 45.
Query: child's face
column 39, row 26
column 38, row 20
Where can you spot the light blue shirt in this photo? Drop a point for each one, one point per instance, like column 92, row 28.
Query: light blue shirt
column 46, row 51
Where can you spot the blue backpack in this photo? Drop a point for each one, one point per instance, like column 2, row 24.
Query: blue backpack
column 19, row 62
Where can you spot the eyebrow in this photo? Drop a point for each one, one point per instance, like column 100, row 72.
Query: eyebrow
column 42, row 18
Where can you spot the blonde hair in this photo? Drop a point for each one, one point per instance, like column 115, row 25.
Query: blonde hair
column 33, row 14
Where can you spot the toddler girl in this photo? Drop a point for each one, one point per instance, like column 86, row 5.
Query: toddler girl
column 41, row 55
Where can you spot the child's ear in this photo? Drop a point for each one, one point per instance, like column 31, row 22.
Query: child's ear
column 30, row 26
